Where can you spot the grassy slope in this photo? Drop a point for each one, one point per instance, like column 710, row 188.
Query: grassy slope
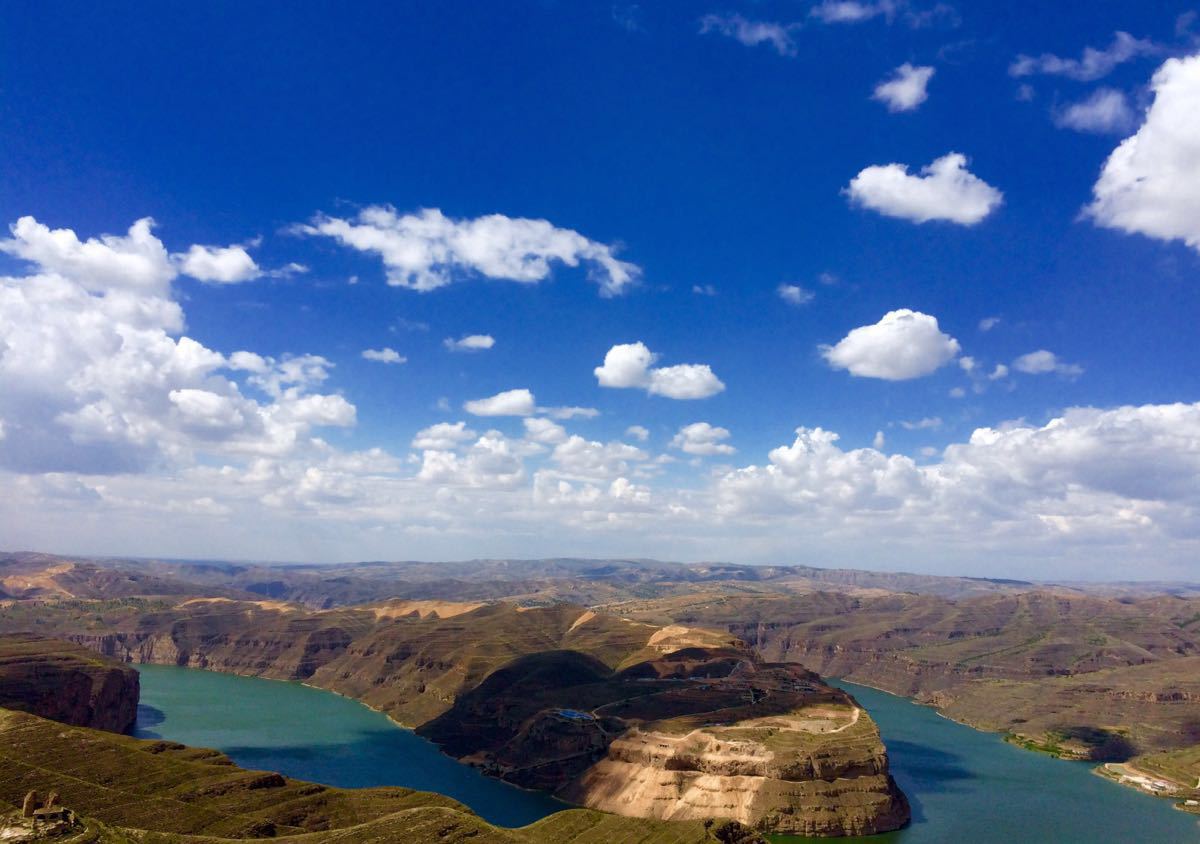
column 188, row 794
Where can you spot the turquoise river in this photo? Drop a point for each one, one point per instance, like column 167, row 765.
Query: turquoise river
column 964, row 785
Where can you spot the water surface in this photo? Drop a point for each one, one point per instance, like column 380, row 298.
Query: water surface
column 310, row 734
column 968, row 786
column 964, row 785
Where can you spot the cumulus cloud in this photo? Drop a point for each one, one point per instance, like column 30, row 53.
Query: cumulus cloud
column 702, row 439
column 1106, row 111
column 1043, row 362
column 906, row 89
column 637, row 432
column 631, row 365
column 443, row 436
column 384, row 355
column 904, row 344
column 508, row 403
column 544, row 431
column 219, row 264
column 1093, row 64
column 97, row 376
column 470, row 343
column 426, row 250
column 752, row 33
column 1150, row 184
column 944, row 190
column 794, row 294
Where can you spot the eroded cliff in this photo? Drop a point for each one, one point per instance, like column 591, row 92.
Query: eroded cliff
column 65, row 682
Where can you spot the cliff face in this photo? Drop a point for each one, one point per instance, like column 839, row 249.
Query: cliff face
column 64, row 682
column 674, row 722
column 835, row 786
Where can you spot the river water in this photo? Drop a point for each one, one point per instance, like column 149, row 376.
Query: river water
column 964, row 785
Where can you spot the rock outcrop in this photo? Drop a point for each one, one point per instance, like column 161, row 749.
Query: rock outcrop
column 68, row 683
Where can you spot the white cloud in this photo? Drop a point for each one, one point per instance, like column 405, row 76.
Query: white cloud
column 1091, row 65
column 878, row 441
column 752, row 33
column 384, row 355
column 1001, row 371
column 701, row 438
column 1150, row 184
column 589, row 459
column 427, row 250
column 1105, row 111
column 470, row 343
column 988, row 323
column 508, row 403
column 629, row 365
column 929, row 423
column 136, row 262
column 945, row 190
column 544, row 431
column 570, row 412
column 906, row 90
column 904, row 344
column 638, row 433
column 852, row 11
column 490, row 462
column 97, row 377
column 794, row 294
column 443, row 436
column 1043, row 362
column 219, row 264
column 704, row 289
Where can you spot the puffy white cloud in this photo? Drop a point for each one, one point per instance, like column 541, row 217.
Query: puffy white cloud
column 1105, row 111
column 988, row 323
column 518, row 402
column 878, row 441
column 638, row 433
column 137, row 262
column 701, row 438
column 1121, row 476
column 581, row 458
column 97, row 378
column 1001, row 371
column 427, row 250
column 906, row 89
column 544, row 431
column 1043, row 362
column 219, row 264
column 1091, row 65
column 904, row 344
column 384, row 355
column 443, row 436
column 752, row 33
column 630, row 365
column 945, row 190
column 470, row 343
column 794, row 294
column 489, row 462
column 1150, row 184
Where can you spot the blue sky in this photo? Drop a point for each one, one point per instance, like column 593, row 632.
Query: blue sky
column 695, row 160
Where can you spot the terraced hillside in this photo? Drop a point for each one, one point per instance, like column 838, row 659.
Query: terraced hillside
column 1078, row 676
column 544, row 697
column 155, row 791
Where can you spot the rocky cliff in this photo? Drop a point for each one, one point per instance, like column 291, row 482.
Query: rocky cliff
column 68, row 683
column 671, row 722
